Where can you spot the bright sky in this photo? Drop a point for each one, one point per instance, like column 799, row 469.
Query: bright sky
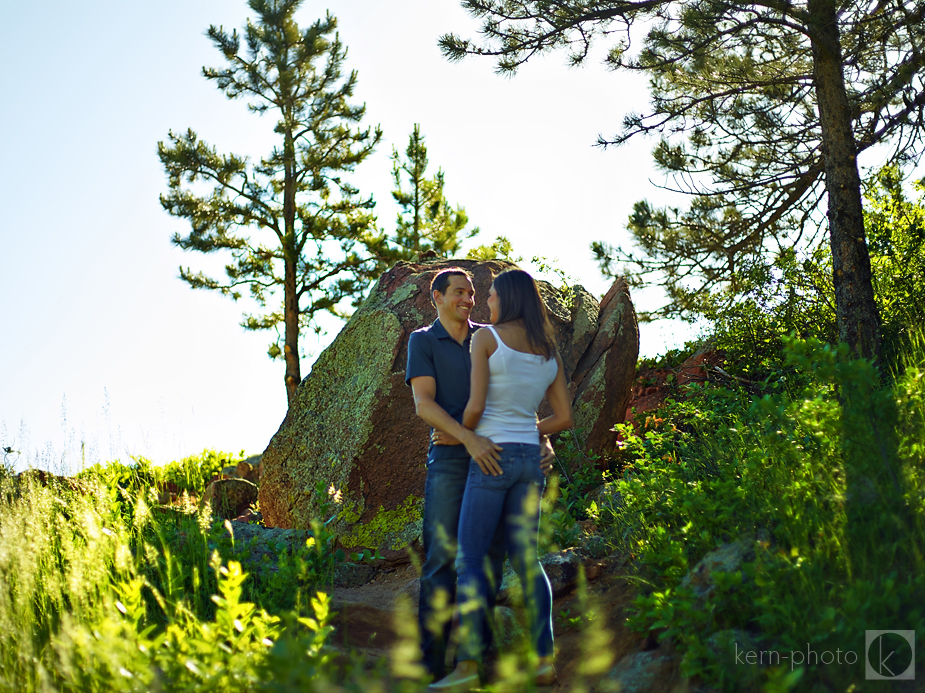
column 105, row 348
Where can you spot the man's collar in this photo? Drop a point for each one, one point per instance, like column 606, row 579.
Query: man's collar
column 440, row 331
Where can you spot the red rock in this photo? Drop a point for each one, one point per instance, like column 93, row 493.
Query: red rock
column 696, row 369
column 352, row 431
column 604, row 375
column 653, row 386
column 352, row 427
column 167, row 492
column 46, row 479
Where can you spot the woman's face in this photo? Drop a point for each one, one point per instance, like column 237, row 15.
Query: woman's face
column 494, row 304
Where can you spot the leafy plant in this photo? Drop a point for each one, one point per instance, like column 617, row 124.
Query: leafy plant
column 821, row 485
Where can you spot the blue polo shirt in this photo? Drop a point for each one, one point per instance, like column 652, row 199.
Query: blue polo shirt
column 433, row 352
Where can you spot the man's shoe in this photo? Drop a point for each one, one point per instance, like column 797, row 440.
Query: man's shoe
column 454, row 684
column 546, row 675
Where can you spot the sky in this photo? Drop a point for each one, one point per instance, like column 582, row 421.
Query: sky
column 105, row 353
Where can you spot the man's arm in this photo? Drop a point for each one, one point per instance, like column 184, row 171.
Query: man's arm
column 479, row 447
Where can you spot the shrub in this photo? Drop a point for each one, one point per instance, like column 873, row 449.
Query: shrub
column 826, row 487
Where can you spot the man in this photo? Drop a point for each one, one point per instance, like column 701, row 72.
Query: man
column 438, row 371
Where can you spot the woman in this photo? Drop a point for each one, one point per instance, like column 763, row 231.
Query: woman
column 514, row 364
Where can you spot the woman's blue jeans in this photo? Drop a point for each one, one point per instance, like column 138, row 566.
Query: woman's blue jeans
column 512, row 501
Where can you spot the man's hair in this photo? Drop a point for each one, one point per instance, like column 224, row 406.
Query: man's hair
column 519, row 299
column 442, row 280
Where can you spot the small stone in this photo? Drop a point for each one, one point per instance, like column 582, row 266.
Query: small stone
column 229, row 498
column 352, row 574
column 249, row 469
column 726, row 559
column 561, row 568
column 642, row 672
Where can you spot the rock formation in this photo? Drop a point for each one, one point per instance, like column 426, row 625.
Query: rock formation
column 230, row 498
column 653, row 386
column 604, row 374
column 351, row 442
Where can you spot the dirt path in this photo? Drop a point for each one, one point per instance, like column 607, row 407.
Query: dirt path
column 376, row 617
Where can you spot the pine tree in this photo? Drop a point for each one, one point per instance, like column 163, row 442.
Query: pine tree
column 775, row 100
column 426, row 221
column 291, row 222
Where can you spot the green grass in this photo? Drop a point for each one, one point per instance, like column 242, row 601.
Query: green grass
column 823, row 480
column 103, row 591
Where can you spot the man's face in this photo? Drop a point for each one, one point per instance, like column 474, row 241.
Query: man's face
column 457, row 303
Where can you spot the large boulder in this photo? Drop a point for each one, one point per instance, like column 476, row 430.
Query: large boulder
column 351, row 442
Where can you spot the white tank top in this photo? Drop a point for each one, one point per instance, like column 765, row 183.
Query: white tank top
column 517, row 382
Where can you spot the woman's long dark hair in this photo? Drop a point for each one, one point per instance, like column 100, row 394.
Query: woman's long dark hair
column 519, row 299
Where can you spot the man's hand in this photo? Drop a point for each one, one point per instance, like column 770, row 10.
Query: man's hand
column 484, row 452
column 441, row 438
column 548, row 455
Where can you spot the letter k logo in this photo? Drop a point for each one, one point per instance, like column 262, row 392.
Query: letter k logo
column 890, row 655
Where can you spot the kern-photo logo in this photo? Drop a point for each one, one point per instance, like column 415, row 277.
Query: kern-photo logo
column 890, row 655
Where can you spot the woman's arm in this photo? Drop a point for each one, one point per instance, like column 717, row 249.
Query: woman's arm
column 559, row 401
column 483, row 346
column 482, row 340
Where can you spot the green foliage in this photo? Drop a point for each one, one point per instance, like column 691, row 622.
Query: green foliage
column 426, row 221
column 234, row 650
column 895, row 229
column 500, row 249
column 794, row 295
column 819, row 486
column 743, row 101
column 126, row 483
column 688, row 253
column 789, row 296
column 820, row 489
column 566, row 503
column 175, row 550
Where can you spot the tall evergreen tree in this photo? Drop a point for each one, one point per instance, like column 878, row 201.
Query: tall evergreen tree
column 426, row 221
column 291, row 222
column 776, row 100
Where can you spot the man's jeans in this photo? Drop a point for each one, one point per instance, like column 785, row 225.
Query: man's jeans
column 512, row 502
column 443, row 496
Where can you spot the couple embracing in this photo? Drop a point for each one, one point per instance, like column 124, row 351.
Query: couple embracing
column 479, row 387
